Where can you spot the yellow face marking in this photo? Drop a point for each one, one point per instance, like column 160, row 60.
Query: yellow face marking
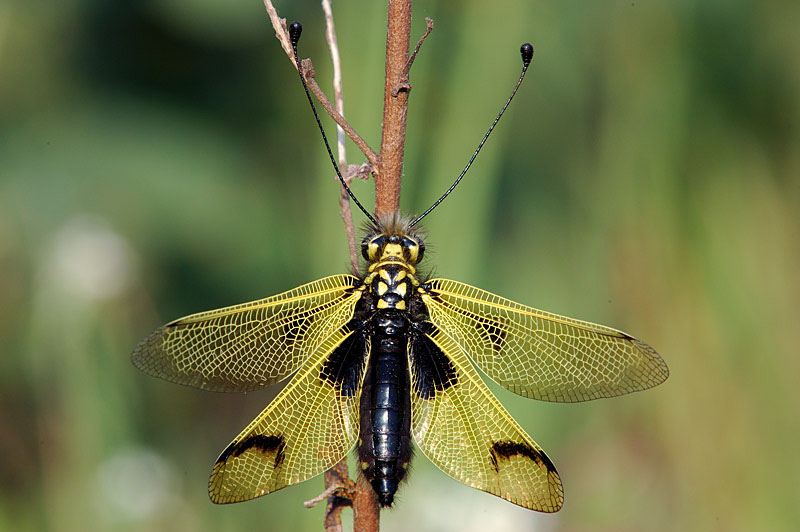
column 384, row 275
column 382, row 304
column 400, row 276
column 413, row 253
column 382, row 288
column 401, row 289
column 392, row 250
column 401, row 305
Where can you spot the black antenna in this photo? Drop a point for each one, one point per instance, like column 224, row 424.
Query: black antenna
column 526, row 50
column 295, row 29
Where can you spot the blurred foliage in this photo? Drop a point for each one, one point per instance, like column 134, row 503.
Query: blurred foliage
column 157, row 158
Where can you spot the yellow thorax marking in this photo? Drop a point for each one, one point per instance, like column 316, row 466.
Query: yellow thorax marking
column 402, row 274
column 383, row 288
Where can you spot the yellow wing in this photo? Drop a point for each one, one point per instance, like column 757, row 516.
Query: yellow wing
column 248, row 346
column 463, row 429
column 306, row 429
column 541, row 355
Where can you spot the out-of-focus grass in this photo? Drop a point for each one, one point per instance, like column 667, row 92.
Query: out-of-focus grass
column 157, row 159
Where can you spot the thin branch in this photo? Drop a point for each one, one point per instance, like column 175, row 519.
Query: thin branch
column 428, row 30
column 361, row 171
column 309, row 74
column 404, row 83
column 340, row 491
column 330, row 491
column 336, row 63
column 341, row 497
column 282, row 34
column 395, row 107
column 344, row 199
column 338, row 476
column 281, row 31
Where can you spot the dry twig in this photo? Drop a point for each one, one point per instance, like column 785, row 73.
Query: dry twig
column 404, row 83
column 340, row 491
column 309, row 74
column 282, row 34
column 281, row 31
column 344, row 200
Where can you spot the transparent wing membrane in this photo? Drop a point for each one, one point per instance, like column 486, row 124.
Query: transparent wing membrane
column 464, row 430
column 304, row 431
column 249, row 346
column 541, row 355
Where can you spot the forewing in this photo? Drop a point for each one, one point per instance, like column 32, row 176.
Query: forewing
column 306, row 429
column 248, row 346
column 462, row 428
column 541, row 355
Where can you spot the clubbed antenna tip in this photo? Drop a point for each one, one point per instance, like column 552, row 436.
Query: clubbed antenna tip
column 295, row 29
column 526, row 50
column 527, row 53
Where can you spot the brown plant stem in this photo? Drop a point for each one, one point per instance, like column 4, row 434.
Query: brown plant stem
column 366, row 512
column 393, row 139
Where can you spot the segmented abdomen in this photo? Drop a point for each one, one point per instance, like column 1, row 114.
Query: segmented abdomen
column 385, row 447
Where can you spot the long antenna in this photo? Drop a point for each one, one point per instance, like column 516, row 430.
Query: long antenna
column 526, row 50
column 295, row 29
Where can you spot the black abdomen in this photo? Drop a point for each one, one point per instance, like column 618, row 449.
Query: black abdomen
column 385, row 448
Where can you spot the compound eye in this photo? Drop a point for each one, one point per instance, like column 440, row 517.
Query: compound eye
column 371, row 250
column 420, row 252
column 412, row 249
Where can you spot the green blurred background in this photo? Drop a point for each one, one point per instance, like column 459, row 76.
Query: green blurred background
column 157, row 158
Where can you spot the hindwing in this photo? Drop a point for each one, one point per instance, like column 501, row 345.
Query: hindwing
column 310, row 426
column 249, row 346
column 464, row 430
column 541, row 355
